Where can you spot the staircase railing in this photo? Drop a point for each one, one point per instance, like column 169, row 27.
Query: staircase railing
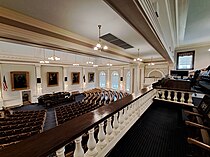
column 118, row 116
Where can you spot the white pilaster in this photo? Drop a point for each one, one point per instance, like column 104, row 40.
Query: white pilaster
column 65, row 74
column 38, row 75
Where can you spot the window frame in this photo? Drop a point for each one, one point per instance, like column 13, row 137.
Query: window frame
column 188, row 53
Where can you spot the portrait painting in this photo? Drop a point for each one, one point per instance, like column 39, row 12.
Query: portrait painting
column 91, row 77
column 19, row 80
column 75, row 77
column 52, row 79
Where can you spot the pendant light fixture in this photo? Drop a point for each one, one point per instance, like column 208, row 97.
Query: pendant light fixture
column 99, row 46
column 138, row 59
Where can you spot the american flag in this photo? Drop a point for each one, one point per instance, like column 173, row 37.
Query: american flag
column 5, row 87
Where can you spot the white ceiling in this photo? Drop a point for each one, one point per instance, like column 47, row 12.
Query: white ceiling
column 197, row 30
column 82, row 17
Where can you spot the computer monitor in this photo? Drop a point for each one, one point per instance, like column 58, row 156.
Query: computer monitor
column 180, row 73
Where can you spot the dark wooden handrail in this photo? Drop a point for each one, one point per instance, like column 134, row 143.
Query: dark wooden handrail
column 47, row 142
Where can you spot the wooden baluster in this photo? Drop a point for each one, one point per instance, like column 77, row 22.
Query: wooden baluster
column 91, row 144
column 78, row 152
column 60, row 152
column 175, row 96
column 109, row 130
column 190, row 98
column 163, row 94
column 116, row 124
column 182, row 97
column 101, row 137
column 121, row 119
column 169, row 95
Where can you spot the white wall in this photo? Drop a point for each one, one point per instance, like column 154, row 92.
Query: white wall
column 45, row 88
column 12, row 98
column 202, row 56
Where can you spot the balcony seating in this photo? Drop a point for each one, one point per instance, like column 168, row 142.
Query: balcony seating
column 20, row 125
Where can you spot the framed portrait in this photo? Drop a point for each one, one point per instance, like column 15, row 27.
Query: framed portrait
column 19, row 80
column 52, row 79
column 91, row 77
column 75, row 77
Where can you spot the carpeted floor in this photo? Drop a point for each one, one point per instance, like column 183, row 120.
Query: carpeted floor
column 158, row 133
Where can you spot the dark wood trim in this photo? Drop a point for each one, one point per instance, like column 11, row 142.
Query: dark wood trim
column 179, row 54
column 47, row 142
column 133, row 14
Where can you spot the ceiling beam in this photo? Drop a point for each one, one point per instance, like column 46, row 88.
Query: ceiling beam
column 132, row 12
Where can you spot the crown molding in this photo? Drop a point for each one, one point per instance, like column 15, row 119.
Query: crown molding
column 191, row 46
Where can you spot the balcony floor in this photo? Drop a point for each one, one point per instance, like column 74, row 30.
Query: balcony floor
column 160, row 132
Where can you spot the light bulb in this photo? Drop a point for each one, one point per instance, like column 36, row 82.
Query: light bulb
column 51, row 58
column 57, row 58
column 134, row 60
column 46, row 61
column 105, row 47
column 141, row 60
column 98, row 45
column 208, row 49
column 41, row 61
column 95, row 48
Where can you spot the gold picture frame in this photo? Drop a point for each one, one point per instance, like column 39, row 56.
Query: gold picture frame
column 91, row 76
column 19, row 80
column 75, row 77
column 52, row 79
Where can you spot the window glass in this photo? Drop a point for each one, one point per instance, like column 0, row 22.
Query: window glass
column 185, row 60
column 115, row 80
column 102, row 79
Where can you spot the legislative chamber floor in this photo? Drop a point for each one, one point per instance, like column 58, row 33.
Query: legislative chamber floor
column 158, row 133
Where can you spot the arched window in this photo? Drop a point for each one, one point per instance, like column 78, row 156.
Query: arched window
column 128, row 81
column 102, row 79
column 115, row 80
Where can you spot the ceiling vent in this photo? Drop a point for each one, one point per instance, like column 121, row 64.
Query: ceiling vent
column 116, row 41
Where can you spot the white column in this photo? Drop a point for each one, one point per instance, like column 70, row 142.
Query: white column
column 175, row 96
column 115, row 124
column 86, row 79
column 169, row 95
column 65, row 83
column 91, row 144
column 101, row 137
column 78, row 152
column 1, row 91
column 190, row 98
column 122, row 87
column 131, row 81
column 121, row 119
column 38, row 75
column 108, row 83
column 136, row 79
column 60, row 152
column 109, row 130
column 163, row 94
column 182, row 97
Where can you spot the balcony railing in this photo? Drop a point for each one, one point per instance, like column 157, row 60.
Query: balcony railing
column 112, row 121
